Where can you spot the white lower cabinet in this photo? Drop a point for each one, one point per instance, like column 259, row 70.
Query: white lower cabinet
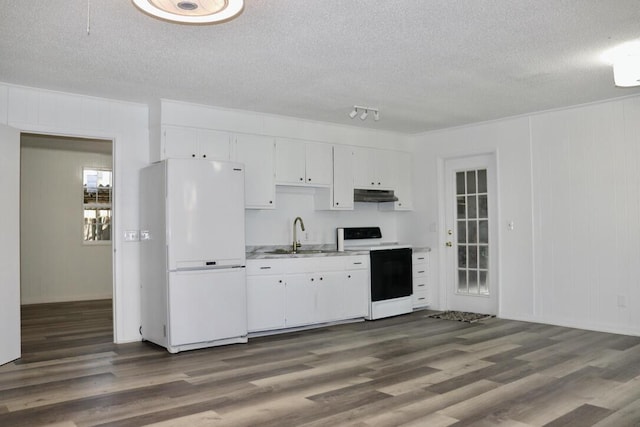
column 265, row 302
column 300, row 300
column 292, row 292
column 421, row 294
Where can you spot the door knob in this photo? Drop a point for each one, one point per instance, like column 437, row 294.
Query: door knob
column 449, row 244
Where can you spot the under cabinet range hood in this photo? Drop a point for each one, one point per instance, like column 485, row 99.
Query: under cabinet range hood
column 374, row 196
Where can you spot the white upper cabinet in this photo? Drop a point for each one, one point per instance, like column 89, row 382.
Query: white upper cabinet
column 184, row 142
column 258, row 155
column 402, row 178
column 303, row 163
column 342, row 177
column 290, row 162
column 373, row 169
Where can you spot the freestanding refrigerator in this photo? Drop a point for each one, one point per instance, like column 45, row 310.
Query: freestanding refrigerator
column 193, row 289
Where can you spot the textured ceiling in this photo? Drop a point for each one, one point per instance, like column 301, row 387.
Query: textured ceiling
column 425, row 64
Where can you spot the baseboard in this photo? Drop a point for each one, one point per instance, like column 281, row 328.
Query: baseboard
column 597, row 327
column 66, row 298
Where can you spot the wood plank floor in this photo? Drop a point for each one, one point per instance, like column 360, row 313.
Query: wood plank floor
column 410, row 370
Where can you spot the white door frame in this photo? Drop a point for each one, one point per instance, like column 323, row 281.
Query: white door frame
column 10, row 251
column 443, row 238
column 114, row 216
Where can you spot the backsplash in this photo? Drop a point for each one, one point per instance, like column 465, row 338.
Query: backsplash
column 274, row 227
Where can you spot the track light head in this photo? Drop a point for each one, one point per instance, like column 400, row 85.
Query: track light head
column 364, row 115
column 354, row 113
column 376, row 115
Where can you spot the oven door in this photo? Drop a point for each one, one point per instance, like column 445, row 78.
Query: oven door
column 391, row 275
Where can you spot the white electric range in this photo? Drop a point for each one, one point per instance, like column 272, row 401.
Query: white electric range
column 390, row 279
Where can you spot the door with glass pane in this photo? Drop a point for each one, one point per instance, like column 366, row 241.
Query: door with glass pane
column 471, row 234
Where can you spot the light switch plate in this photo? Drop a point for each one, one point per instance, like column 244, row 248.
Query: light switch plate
column 132, row 236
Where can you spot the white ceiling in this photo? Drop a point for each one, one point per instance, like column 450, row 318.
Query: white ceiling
column 425, row 64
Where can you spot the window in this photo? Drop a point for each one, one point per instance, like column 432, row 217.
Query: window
column 97, row 187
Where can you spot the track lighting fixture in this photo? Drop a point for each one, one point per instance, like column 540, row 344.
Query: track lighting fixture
column 364, row 112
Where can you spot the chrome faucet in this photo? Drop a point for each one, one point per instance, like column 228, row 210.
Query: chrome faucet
column 296, row 243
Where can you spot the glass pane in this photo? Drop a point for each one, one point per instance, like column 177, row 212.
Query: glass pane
column 462, row 281
column 473, row 282
column 483, row 210
column 462, row 256
column 484, row 282
column 484, row 257
column 483, row 232
column 459, row 182
column 97, row 224
column 473, row 256
column 472, row 234
column 471, row 182
column 462, row 213
column 462, row 232
column 472, row 212
column 482, row 181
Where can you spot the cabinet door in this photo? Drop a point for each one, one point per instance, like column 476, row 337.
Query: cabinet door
column 363, row 168
column 213, row 144
column 354, row 294
column 384, row 165
column 257, row 154
column 290, row 162
column 342, row 177
column 330, row 296
column 300, row 299
column 265, row 303
column 179, row 142
column 319, row 164
column 403, row 188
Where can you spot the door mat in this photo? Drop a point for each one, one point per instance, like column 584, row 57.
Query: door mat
column 461, row 316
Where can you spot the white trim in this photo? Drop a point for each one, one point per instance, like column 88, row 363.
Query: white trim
column 556, row 321
column 520, row 116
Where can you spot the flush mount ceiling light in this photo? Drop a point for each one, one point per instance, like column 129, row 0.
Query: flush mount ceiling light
column 365, row 112
column 191, row 11
column 626, row 64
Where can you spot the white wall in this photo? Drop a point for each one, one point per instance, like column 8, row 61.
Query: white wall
column 586, row 178
column 569, row 181
column 55, row 264
column 41, row 111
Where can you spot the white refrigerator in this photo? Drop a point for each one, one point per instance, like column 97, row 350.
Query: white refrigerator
column 193, row 288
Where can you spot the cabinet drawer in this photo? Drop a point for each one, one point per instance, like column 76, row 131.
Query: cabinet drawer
column 419, row 286
column 419, row 271
column 420, row 258
column 360, row 262
column 420, row 299
column 267, row 266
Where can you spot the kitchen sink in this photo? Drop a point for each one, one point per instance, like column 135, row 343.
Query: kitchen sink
column 299, row 251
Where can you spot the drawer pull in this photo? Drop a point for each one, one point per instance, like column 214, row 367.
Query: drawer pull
column 357, row 263
column 421, row 258
column 265, row 268
column 420, row 271
column 421, row 286
column 421, row 299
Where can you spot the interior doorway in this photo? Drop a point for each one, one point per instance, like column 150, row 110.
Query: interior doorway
column 66, row 218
